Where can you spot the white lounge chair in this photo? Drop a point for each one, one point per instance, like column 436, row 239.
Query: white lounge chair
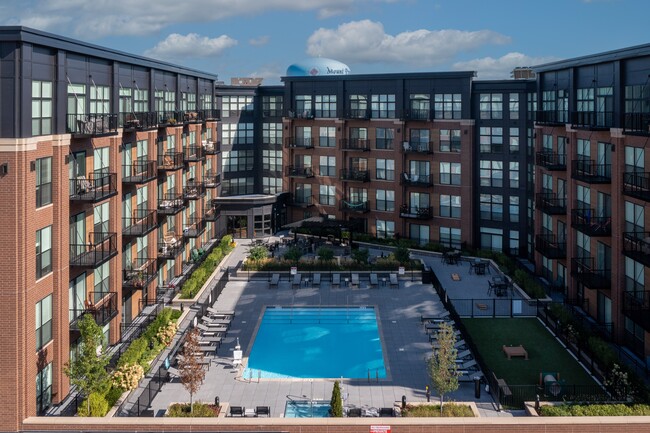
column 237, row 358
column 355, row 280
column 394, row 283
column 297, row 280
column 316, row 279
column 373, row 280
column 336, row 280
column 275, row 280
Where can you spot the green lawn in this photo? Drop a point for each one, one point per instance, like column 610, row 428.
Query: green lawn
column 544, row 352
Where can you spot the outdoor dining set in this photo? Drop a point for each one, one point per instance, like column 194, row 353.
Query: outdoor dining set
column 498, row 285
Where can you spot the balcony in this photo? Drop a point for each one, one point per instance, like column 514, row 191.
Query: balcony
column 170, row 161
column 193, row 154
column 299, row 142
column 139, row 274
column 92, row 125
column 550, row 117
column 588, row 223
column 170, row 204
column 636, row 245
column 170, row 118
column 417, row 114
column 422, row 180
column 193, row 190
column 356, row 113
column 417, row 147
column 304, row 114
column 210, row 213
column 586, row 170
column 139, row 172
column 101, row 248
column 416, row 212
column 358, row 144
column 592, row 120
column 193, row 116
column 194, row 227
column 354, row 175
column 637, row 185
column 551, row 161
column 550, row 246
column 103, row 310
column 210, row 114
column 355, row 206
column 272, row 113
column 97, row 187
column 211, row 147
column 170, row 245
column 211, row 180
column 132, row 122
column 637, row 123
column 141, row 223
column 549, row 203
column 636, row 305
column 302, row 201
column 584, row 271
column 299, row 171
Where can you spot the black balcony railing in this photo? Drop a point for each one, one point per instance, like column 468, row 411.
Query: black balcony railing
column 550, row 203
column 194, row 227
column 636, row 245
column 637, row 123
column 193, row 190
column 193, row 153
column 97, row 187
column 193, row 116
column 417, row 114
column 355, row 175
column 211, row 114
column 592, row 119
column 299, row 142
column 142, row 222
column 589, row 223
column 299, row 171
column 424, row 180
column 550, row 246
column 636, row 305
column 357, row 114
column 355, row 144
column 550, row 117
column 170, row 203
column 300, row 114
column 210, row 213
column 101, row 305
column 584, row 270
column 551, row 161
column 170, row 118
column 139, row 274
column 170, row 245
column 416, row 212
column 138, row 121
column 211, row 180
column 211, row 147
column 302, row 201
column 170, row 161
column 587, row 170
column 92, row 124
column 355, row 206
column 417, row 147
column 101, row 247
column 139, row 172
column 637, row 185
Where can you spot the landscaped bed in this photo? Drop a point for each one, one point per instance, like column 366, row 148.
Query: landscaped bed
column 433, row 410
column 595, row 410
column 201, row 410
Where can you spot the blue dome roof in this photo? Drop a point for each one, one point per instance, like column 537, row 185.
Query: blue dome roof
column 317, row 66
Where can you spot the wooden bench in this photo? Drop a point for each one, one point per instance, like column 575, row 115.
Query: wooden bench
column 503, row 386
column 515, row 351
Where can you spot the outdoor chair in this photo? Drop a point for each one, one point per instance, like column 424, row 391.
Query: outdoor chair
column 316, row 280
column 173, row 373
column 386, row 411
column 263, row 410
column 297, row 280
column 354, row 412
column 394, row 283
column 214, row 313
column 355, row 280
column 373, row 280
column 336, row 280
column 237, row 411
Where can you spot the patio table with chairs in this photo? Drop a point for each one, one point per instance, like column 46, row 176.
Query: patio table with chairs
column 498, row 285
column 451, row 257
column 479, row 266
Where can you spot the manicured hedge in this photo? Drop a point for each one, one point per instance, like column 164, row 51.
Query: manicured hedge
column 198, row 278
column 595, row 410
column 433, row 410
column 201, row 410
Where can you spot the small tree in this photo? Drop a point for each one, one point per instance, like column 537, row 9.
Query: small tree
column 402, row 254
column 442, row 365
column 360, row 256
column 87, row 370
column 336, row 404
column 258, row 253
column 190, row 367
column 325, row 254
column 293, row 254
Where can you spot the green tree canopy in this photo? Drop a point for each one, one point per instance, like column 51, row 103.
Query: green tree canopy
column 442, row 367
column 258, row 253
column 336, row 403
column 325, row 254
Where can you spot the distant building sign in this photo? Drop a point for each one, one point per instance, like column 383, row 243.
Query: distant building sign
column 379, row 429
column 317, row 67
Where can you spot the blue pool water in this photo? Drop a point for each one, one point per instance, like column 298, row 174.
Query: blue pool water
column 317, row 343
column 307, row 409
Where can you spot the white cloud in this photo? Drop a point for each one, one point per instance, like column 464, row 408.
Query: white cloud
column 491, row 68
column 270, row 72
column 262, row 40
column 367, row 42
column 192, row 45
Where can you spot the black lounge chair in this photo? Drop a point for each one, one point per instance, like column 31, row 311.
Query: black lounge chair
column 354, row 412
column 263, row 410
column 237, row 410
column 386, row 411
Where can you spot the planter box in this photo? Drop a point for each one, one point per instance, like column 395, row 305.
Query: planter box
column 177, row 301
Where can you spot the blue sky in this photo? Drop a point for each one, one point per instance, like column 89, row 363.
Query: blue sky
column 261, row 38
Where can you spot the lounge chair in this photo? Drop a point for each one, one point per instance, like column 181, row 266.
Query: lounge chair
column 354, row 412
column 434, row 336
column 216, row 314
column 336, row 280
column 468, row 376
column 386, row 411
column 355, row 280
column 469, row 365
column 316, row 280
column 435, row 317
column 460, row 344
column 237, row 358
column 205, row 339
column 373, row 281
column 210, row 321
column 394, row 284
column 207, row 329
column 237, row 410
column 297, row 280
column 263, row 410
column 464, row 354
column 275, row 281
column 173, row 373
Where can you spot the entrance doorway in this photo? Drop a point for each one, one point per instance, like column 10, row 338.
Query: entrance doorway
column 238, row 226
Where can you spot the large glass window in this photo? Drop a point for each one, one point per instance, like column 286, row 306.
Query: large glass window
column 491, row 206
column 272, row 106
column 271, row 160
column 385, row 169
column 420, row 106
column 236, row 105
column 385, row 200
column 43, row 322
column 43, row 181
column 327, row 195
column 325, row 105
column 385, row 229
column 327, row 136
column 100, row 99
column 637, row 98
column 513, row 140
column 42, row 98
column 238, row 160
column 450, row 173
column 450, row 140
column 514, row 106
column 383, row 106
column 513, row 174
column 491, row 106
column 514, row 209
column 271, row 185
column 237, row 133
column 419, row 233
column 634, row 159
column 450, row 206
column 358, row 106
column 102, row 281
column 272, row 133
column 491, row 173
column 327, row 166
column 384, row 138
column 447, row 106
column 491, row 140
column 43, row 251
column 44, row 389
column 450, row 237
column 304, row 106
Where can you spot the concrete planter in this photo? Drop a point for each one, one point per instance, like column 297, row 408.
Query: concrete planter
column 177, row 301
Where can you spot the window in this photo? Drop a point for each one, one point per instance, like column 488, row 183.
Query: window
column 271, row 159
column 325, row 105
column 43, row 252
column 272, row 106
column 326, row 195
column 126, row 100
column 450, row 140
column 169, row 101
column 491, row 239
column 383, row 106
column 419, row 233
column 513, row 243
column 44, row 389
column 514, row 140
column 358, row 106
column 327, row 166
column 100, row 100
column 491, row 206
column 272, row 133
column 236, row 105
column 514, row 209
column 385, row 229
column 419, row 106
column 43, row 322
column 514, row 106
column 101, row 214
column 237, row 186
column 385, row 137
column 302, row 137
column 42, row 107
column 491, row 173
column 101, row 276
column 491, row 140
column 271, row 185
column 188, row 101
column 419, row 140
column 43, row 181
column 304, row 107
column 585, row 99
column 450, row 237
column 450, row 206
column 327, row 136
column 491, row 106
column 385, row 169
column 450, row 173
column 634, row 159
column 205, row 102
column 513, row 174
column 447, row 106
column 238, row 160
column 637, row 99
column 237, row 133
column 634, row 218
column 418, row 201
column 303, row 193
column 385, row 200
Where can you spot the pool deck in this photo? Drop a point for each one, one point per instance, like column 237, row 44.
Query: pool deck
column 405, row 343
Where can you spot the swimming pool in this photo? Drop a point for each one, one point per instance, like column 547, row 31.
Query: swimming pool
column 307, row 409
column 317, row 343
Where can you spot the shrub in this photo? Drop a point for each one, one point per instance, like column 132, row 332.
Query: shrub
column 166, row 333
column 113, row 395
column 192, row 286
column 325, row 254
column 258, row 253
column 360, row 255
column 128, row 376
column 603, row 353
column 200, row 410
column 595, row 410
column 433, row 410
column 336, row 404
column 402, row 254
column 293, row 254
column 98, row 406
